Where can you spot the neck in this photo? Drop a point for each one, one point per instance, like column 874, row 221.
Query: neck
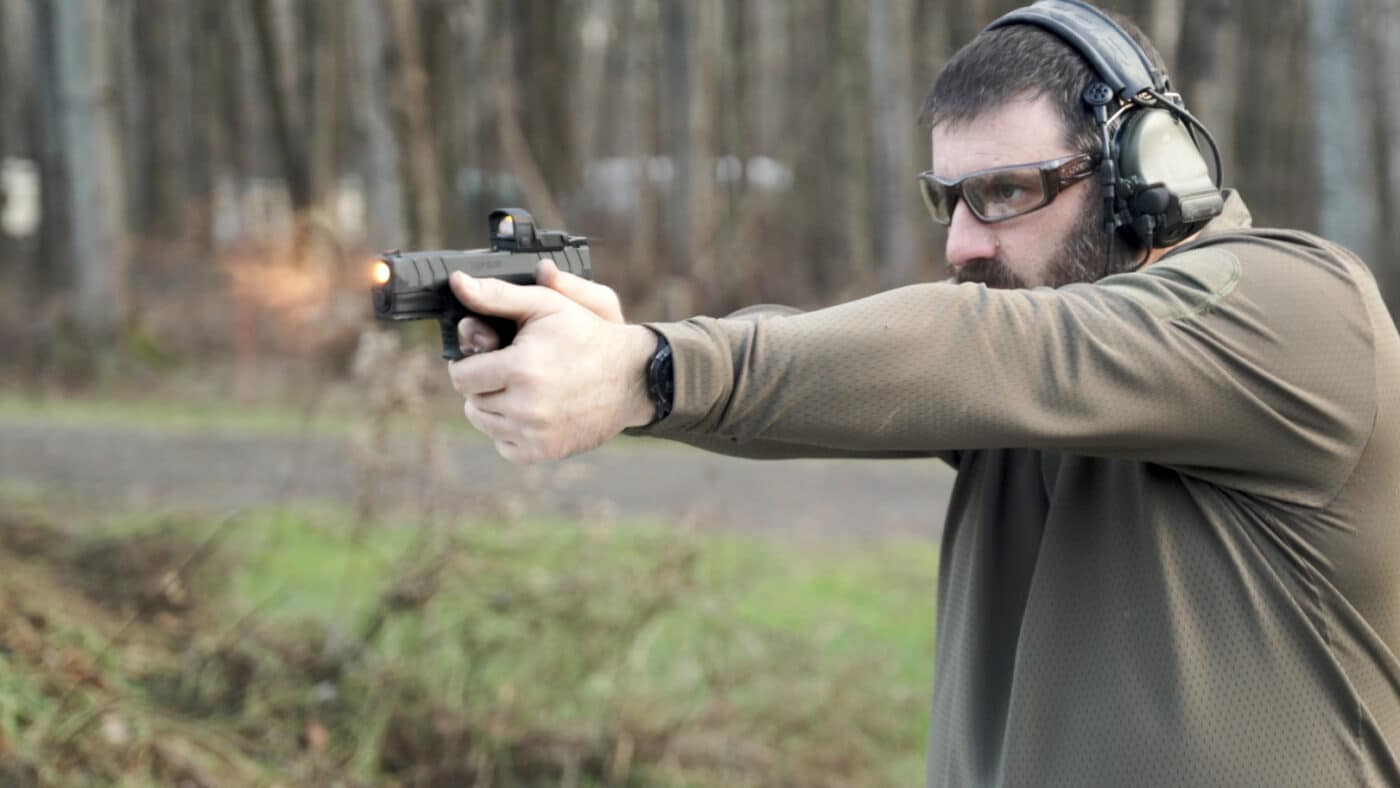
column 1158, row 254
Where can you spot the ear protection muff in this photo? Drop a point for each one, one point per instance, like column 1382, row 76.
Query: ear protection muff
column 1166, row 189
column 1157, row 187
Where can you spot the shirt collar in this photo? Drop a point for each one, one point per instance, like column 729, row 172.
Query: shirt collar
column 1236, row 215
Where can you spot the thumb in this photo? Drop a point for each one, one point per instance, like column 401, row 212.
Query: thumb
column 488, row 296
column 601, row 300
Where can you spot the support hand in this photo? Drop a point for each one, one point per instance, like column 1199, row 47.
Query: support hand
column 573, row 378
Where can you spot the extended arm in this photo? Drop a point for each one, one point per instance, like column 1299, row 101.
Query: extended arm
column 1196, row 363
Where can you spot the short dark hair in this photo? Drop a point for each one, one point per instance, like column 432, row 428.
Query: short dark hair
column 1023, row 62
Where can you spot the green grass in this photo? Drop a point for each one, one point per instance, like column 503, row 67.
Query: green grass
column 157, row 413
column 335, row 416
column 630, row 654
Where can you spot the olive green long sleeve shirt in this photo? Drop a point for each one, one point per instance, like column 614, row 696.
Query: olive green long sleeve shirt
column 1172, row 555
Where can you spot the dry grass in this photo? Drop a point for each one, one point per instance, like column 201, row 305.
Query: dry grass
column 282, row 651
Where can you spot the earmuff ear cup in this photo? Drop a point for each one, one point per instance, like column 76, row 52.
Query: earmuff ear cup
column 1165, row 191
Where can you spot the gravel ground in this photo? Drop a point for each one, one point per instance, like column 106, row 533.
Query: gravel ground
column 153, row 468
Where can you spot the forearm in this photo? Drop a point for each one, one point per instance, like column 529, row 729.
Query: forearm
column 763, row 449
column 834, row 382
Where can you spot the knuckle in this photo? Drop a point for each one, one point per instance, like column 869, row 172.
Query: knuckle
column 536, row 416
column 474, row 415
column 527, row 378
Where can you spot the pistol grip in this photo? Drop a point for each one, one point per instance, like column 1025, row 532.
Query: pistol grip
column 451, row 349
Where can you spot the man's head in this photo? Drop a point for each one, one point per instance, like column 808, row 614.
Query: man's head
column 1014, row 96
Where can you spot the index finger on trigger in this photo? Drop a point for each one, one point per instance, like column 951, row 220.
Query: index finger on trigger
column 476, row 336
column 488, row 296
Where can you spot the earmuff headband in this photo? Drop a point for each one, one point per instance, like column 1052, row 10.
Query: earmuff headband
column 1112, row 53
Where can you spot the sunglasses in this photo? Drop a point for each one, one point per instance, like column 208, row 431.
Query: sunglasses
column 1002, row 193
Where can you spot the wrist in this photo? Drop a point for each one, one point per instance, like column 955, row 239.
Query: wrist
column 639, row 409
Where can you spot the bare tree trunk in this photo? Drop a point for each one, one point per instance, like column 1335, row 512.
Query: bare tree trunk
column 768, row 52
column 52, row 271
column 639, row 108
column 673, row 105
column 326, row 30
column 1348, row 185
column 966, row 19
column 173, row 130
column 158, row 93
column 1272, row 126
column 473, row 117
column 235, row 124
column 595, row 31
column 515, row 146
column 96, row 195
column 893, row 130
column 207, row 61
column 415, row 124
column 138, row 78
column 441, row 26
column 707, row 37
column 935, row 44
column 5, row 115
column 1209, row 63
column 1387, row 37
column 16, row 79
column 853, row 267
column 1164, row 28
column 11, row 134
column 383, row 172
column 271, row 22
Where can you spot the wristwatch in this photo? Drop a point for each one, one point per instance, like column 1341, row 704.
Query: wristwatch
column 661, row 379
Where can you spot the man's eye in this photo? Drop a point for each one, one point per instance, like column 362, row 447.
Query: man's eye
column 1006, row 191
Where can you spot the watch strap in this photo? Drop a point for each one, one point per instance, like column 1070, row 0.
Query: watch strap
column 661, row 379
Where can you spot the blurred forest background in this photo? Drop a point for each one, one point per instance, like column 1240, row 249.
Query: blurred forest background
column 192, row 179
column 327, row 579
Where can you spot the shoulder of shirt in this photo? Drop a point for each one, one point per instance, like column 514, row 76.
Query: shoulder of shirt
column 1197, row 276
column 1179, row 285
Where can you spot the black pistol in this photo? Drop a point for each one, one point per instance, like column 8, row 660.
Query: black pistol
column 413, row 285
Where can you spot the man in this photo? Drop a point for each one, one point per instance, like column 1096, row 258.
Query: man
column 1173, row 552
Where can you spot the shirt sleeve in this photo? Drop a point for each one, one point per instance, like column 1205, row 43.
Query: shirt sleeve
column 772, row 448
column 1248, row 363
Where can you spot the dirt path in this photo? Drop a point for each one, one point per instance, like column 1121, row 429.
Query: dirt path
column 148, row 467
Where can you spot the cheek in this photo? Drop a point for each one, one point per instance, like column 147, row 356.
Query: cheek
column 1025, row 249
column 1029, row 248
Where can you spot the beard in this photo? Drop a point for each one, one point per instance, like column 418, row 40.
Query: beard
column 1079, row 258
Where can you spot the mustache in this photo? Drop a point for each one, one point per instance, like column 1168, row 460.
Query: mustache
column 991, row 272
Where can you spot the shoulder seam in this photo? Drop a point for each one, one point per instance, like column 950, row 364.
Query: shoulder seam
column 1236, row 273
column 1171, row 308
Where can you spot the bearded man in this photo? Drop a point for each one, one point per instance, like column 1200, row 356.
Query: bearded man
column 1172, row 555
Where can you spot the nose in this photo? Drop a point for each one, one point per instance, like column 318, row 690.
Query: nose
column 968, row 238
